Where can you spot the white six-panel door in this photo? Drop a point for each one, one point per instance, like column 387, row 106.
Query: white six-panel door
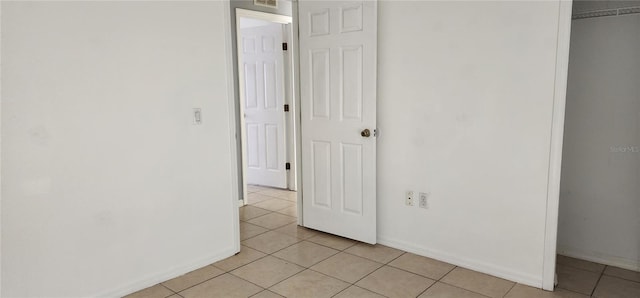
column 263, row 89
column 338, row 41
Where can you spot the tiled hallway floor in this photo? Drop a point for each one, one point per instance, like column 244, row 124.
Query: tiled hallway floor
column 278, row 258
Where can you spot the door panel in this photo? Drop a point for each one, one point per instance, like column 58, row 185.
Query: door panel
column 253, row 156
column 352, row 196
column 263, row 62
column 320, row 83
column 351, row 83
column 272, row 146
column 338, row 100
column 321, row 174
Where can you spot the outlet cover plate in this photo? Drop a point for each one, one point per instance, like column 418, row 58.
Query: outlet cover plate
column 409, row 199
column 423, row 200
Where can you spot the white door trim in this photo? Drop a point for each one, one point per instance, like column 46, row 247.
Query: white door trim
column 290, row 124
column 232, row 126
column 295, row 45
column 557, row 133
column 244, row 13
column 265, row 16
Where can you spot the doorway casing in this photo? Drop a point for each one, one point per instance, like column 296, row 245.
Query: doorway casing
column 555, row 155
column 290, row 121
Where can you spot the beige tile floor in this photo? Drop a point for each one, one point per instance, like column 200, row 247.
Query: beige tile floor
column 280, row 259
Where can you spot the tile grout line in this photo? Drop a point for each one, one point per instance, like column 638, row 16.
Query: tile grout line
column 270, row 196
column 598, row 282
column 338, row 251
column 280, row 209
column 576, row 267
column 455, row 286
column 510, row 289
column 277, row 257
column 333, row 277
column 354, row 285
column 257, row 285
column 268, row 211
column 472, row 291
column 341, row 291
column 454, row 268
column 241, row 240
column 358, row 242
column 287, row 278
column 438, row 280
column 402, row 269
column 267, row 229
column 366, row 277
column 208, row 279
column 323, row 233
column 172, row 291
column 602, row 274
column 572, row 291
column 622, row 278
column 264, row 252
column 270, row 230
column 429, row 287
column 271, row 212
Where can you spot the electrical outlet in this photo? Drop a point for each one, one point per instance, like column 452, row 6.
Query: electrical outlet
column 422, row 200
column 409, row 199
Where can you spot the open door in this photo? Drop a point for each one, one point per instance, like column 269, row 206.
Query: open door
column 263, row 80
column 338, row 41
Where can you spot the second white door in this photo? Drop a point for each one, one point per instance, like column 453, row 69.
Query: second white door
column 263, row 89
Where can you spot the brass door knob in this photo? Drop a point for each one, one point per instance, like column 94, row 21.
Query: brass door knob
column 365, row 133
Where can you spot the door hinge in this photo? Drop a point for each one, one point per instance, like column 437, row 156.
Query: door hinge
column 287, row 166
column 284, row 46
column 286, row 108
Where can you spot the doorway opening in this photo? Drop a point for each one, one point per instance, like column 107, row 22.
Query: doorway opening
column 267, row 109
column 332, row 94
column 598, row 242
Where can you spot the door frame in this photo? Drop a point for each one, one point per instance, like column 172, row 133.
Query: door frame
column 555, row 155
column 295, row 46
column 290, row 83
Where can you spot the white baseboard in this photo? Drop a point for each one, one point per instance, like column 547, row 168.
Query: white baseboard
column 159, row 277
column 600, row 258
column 519, row 277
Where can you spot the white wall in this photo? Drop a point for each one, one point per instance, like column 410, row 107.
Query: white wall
column 464, row 110
column 600, row 189
column 107, row 186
